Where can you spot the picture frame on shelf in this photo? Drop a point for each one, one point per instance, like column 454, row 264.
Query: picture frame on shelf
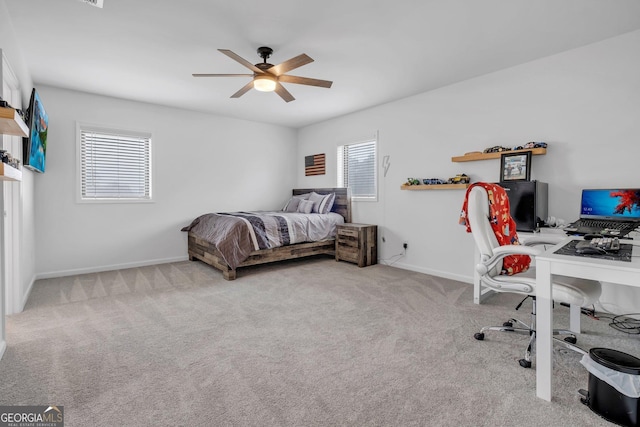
column 515, row 166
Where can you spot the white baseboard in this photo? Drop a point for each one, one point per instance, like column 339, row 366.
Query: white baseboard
column 433, row 272
column 25, row 297
column 98, row 269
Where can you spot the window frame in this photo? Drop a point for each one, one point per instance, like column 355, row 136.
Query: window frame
column 340, row 169
column 113, row 130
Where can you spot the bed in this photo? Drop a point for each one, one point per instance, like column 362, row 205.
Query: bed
column 206, row 246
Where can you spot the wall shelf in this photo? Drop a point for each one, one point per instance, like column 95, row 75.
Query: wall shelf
column 434, row 187
column 11, row 123
column 9, row 173
column 470, row 157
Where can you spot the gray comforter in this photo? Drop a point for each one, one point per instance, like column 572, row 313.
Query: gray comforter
column 237, row 234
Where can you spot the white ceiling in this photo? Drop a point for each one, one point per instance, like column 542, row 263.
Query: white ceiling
column 374, row 51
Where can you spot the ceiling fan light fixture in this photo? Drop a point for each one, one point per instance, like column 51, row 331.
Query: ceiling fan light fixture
column 264, row 83
column 267, row 77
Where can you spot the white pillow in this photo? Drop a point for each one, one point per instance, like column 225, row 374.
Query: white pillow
column 327, row 203
column 316, row 199
column 305, row 206
column 322, row 203
column 292, row 204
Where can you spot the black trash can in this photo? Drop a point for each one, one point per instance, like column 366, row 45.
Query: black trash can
column 603, row 397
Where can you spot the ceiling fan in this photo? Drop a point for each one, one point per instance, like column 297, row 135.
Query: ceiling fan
column 267, row 77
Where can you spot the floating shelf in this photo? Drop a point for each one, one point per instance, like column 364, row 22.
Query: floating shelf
column 470, row 157
column 9, row 173
column 11, row 123
column 434, row 187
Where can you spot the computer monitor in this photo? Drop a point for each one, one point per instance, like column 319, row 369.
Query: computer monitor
column 611, row 204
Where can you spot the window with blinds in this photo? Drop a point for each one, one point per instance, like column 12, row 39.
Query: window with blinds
column 114, row 165
column 357, row 170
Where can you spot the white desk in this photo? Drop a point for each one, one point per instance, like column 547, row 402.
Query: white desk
column 548, row 263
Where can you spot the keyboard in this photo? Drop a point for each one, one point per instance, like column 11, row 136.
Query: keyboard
column 599, row 223
column 598, row 245
column 598, row 226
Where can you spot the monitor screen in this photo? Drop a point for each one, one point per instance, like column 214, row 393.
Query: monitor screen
column 35, row 146
column 611, row 203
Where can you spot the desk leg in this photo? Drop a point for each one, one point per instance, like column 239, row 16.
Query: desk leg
column 544, row 325
column 574, row 318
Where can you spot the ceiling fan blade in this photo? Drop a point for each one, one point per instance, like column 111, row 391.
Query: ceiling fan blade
column 290, row 64
column 246, row 88
column 284, row 94
column 305, row 81
column 241, row 60
column 222, row 75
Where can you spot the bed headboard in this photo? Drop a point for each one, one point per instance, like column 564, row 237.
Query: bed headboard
column 341, row 205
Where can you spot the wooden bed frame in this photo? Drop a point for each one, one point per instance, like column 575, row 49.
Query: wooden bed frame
column 207, row 253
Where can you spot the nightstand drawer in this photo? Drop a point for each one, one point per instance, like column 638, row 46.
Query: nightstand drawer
column 349, row 254
column 342, row 231
column 353, row 241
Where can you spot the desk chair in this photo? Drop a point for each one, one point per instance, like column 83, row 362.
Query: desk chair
column 565, row 289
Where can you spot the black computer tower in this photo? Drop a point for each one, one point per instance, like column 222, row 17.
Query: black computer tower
column 529, row 202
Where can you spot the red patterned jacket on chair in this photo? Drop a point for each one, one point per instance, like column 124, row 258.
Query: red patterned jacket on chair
column 504, row 227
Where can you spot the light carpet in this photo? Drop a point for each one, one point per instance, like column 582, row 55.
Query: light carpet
column 310, row 342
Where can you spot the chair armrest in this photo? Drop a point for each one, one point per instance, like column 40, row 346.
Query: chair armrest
column 487, row 264
column 506, row 250
column 543, row 240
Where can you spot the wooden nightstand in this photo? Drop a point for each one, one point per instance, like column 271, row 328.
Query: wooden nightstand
column 357, row 243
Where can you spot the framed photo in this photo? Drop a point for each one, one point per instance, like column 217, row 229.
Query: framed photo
column 515, row 166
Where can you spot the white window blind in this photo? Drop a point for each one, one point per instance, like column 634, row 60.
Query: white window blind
column 357, row 170
column 114, row 165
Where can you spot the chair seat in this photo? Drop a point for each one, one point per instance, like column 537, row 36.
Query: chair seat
column 569, row 290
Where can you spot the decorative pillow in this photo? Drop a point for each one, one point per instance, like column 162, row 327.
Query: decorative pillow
column 305, row 206
column 292, row 204
column 327, row 203
column 322, row 203
column 316, row 199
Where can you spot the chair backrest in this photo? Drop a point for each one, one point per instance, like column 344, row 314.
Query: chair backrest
column 478, row 217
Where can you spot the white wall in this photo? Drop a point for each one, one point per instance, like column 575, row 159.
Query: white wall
column 584, row 103
column 201, row 163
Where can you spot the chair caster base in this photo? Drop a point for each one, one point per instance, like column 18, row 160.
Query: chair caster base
column 524, row 363
column 479, row 336
column 571, row 340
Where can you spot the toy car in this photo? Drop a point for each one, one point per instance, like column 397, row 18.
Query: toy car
column 433, row 181
column 496, row 149
column 413, row 181
column 460, row 179
column 540, row 145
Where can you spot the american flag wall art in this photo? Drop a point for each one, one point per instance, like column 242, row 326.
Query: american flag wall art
column 314, row 165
